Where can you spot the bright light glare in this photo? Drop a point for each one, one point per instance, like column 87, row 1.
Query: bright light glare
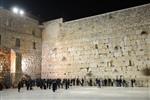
column 18, row 11
column 21, row 12
column 15, row 10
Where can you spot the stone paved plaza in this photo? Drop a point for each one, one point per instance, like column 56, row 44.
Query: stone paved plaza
column 79, row 93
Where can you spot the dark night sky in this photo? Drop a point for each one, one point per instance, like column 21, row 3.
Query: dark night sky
column 70, row 9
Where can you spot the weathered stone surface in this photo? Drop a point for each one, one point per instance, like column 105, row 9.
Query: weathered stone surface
column 109, row 45
column 26, row 29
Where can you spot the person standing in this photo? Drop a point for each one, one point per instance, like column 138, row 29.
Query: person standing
column 1, row 87
column 19, row 86
column 54, row 86
column 82, row 84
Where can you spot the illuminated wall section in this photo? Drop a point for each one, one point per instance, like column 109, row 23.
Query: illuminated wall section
column 13, row 61
column 111, row 45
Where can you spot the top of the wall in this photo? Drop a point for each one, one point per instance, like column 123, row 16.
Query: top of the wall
column 109, row 13
column 60, row 20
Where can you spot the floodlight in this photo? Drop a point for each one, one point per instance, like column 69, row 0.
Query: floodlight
column 15, row 10
column 21, row 12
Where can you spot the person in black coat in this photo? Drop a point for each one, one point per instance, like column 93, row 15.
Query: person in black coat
column 54, row 86
column 28, row 84
column 77, row 81
column 19, row 86
column 82, row 84
column 1, row 87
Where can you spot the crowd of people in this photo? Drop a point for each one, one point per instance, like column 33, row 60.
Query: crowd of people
column 55, row 84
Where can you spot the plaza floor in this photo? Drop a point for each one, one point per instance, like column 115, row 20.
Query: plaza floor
column 78, row 93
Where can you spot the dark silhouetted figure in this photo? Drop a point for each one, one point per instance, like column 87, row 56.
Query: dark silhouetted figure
column 77, row 81
column 109, row 82
column 105, row 82
column 124, row 83
column 132, row 82
column 82, row 83
column 19, row 86
column 98, row 82
column 90, row 83
column 1, row 87
column 54, row 86
column 66, row 84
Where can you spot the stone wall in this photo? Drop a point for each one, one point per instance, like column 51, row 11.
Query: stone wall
column 49, row 42
column 109, row 45
column 27, row 30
